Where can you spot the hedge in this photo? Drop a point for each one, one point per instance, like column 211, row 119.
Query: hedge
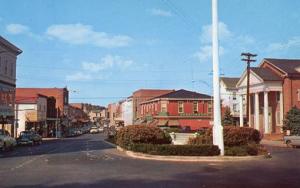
column 135, row 134
column 250, row 149
column 233, row 136
column 182, row 150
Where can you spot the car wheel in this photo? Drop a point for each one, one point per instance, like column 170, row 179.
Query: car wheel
column 4, row 147
column 288, row 144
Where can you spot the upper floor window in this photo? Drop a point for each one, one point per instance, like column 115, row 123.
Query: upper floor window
column 195, row 107
column 180, row 107
column 234, row 95
column 209, row 107
column 5, row 68
column 163, row 107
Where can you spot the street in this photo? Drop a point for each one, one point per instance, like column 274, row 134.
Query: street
column 87, row 161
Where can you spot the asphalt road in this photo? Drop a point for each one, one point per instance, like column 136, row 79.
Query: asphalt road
column 87, row 161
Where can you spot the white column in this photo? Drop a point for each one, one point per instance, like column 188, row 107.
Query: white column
column 217, row 128
column 281, row 108
column 266, row 112
column 241, row 111
column 256, row 111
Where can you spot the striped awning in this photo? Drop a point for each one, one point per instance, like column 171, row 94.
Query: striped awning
column 173, row 123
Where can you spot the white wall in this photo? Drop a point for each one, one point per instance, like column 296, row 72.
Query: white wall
column 127, row 112
column 228, row 100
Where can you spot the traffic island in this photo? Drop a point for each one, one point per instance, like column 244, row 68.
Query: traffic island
column 139, row 155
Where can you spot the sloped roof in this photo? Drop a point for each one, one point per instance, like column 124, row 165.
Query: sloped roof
column 185, row 94
column 230, row 82
column 288, row 66
column 266, row 74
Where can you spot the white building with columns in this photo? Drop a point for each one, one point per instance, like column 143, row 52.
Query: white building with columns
column 274, row 90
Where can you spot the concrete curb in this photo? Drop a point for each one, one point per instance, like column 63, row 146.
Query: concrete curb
column 111, row 144
column 188, row 158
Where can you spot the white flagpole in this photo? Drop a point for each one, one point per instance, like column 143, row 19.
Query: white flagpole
column 217, row 128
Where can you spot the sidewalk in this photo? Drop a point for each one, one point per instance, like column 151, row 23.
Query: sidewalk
column 51, row 138
column 273, row 143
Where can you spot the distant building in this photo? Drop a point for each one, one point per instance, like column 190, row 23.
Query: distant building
column 61, row 96
column 112, row 112
column 229, row 97
column 143, row 95
column 127, row 111
column 274, row 90
column 31, row 113
column 95, row 113
column 180, row 108
column 8, row 60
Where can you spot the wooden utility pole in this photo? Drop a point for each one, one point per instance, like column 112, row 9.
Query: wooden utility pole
column 247, row 58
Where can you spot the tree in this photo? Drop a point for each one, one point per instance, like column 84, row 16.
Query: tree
column 292, row 121
column 227, row 118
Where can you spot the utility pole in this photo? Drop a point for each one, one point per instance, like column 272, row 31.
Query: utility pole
column 247, row 58
column 217, row 128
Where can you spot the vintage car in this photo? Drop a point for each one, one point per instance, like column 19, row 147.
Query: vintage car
column 6, row 141
column 29, row 137
column 292, row 141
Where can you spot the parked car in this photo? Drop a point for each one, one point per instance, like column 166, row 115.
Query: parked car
column 94, row 130
column 101, row 129
column 6, row 141
column 29, row 138
column 292, row 141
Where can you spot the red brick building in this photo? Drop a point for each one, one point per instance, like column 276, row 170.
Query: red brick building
column 142, row 95
column 61, row 103
column 179, row 108
column 274, row 88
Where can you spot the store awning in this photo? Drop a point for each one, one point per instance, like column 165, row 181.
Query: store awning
column 162, row 122
column 173, row 123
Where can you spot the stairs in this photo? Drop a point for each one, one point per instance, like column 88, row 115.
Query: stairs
column 181, row 138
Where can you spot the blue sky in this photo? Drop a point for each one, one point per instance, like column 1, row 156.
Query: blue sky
column 105, row 50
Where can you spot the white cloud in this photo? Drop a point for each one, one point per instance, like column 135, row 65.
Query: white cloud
column 79, row 76
column 224, row 33
column 228, row 41
column 205, row 53
column 293, row 42
column 16, row 29
column 107, row 62
column 85, row 34
column 160, row 12
column 90, row 70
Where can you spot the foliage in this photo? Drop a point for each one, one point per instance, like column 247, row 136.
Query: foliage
column 250, row 149
column 183, row 150
column 111, row 139
column 233, row 136
column 227, row 119
column 134, row 134
column 292, row 121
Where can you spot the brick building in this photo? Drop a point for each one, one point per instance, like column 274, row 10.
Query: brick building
column 61, row 96
column 274, row 89
column 31, row 114
column 178, row 108
column 142, row 95
column 8, row 60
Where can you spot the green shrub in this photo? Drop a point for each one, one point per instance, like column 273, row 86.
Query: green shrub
column 199, row 140
column 233, row 136
column 292, row 121
column 250, row 149
column 134, row 134
column 183, row 150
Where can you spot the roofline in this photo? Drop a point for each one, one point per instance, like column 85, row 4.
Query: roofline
column 10, row 45
column 265, row 60
column 178, row 99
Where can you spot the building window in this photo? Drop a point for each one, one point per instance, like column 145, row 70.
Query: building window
column 195, row 107
column 234, row 95
column 298, row 94
column 180, row 107
column 278, row 96
column 234, row 107
column 209, row 107
column 163, row 107
column 5, row 68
